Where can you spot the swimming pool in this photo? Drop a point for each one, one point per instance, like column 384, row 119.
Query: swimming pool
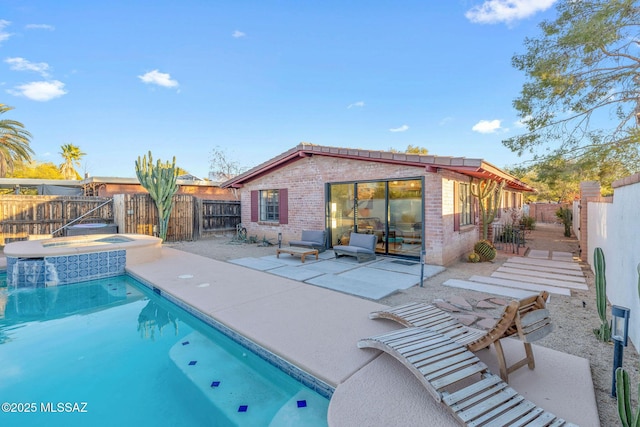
column 126, row 356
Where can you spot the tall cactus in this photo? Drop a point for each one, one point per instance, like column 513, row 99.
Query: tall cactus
column 489, row 194
column 623, row 392
column 604, row 333
column 160, row 181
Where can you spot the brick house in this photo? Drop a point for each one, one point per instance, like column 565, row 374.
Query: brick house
column 412, row 202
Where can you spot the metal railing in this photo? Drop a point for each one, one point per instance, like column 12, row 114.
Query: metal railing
column 508, row 238
column 80, row 217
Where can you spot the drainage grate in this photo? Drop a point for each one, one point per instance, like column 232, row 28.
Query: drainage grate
column 404, row 262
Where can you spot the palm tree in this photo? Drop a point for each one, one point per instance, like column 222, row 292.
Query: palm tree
column 14, row 143
column 71, row 155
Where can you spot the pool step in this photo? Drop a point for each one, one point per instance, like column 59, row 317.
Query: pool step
column 241, row 393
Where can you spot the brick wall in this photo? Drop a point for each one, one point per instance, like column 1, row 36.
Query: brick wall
column 305, row 180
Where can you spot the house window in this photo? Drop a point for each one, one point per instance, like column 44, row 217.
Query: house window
column 465, row 203
column 269, row 205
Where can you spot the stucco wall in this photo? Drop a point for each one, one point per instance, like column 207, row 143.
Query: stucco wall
column 305, row 180
column 613, row 227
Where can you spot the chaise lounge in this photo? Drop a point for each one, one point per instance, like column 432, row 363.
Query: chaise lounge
column 527, row 319
column 455, row 377
column 313, row 239
column 361, row 246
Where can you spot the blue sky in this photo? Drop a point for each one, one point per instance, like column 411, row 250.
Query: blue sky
column 256, row 78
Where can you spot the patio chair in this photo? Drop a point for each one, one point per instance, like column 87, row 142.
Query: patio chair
column 455, row 377
column 314, row 239
column 526, row 319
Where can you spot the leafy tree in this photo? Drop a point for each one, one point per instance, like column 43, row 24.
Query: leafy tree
column 14, row 143
column 581, row 102
column 411, row 149
column 47, row 170
column 222, row 167
column 71, row 155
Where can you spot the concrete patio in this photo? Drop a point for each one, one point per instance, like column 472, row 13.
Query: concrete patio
column 317, row 330
column 373, row 279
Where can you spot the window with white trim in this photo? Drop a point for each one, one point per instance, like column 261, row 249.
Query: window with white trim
column 465, row 203
column 269, row 205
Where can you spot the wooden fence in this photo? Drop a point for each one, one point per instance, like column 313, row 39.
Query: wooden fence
column 191, row 218
column 218, row 215
column 21, row 216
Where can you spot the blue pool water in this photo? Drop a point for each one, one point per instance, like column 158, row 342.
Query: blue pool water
column 111, row 352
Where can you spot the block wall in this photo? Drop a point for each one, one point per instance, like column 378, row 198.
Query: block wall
column 305, row 180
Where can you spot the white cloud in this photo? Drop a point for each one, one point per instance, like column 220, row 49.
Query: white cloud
column 238, row 34
column 39, row 27
column 4, row 36
column 446, row 121
column 356, row 104
column 21, row 64
column 402, row 128
column 157, row 78
column 507, row 11
column 487, row 126
column 40, row 91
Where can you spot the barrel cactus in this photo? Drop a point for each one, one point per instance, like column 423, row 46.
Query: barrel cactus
column 474, row 257
column 485, row 250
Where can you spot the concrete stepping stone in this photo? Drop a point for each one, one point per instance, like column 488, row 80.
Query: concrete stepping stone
column 460, row 302
column 536, row 268
column 546, row 263
column 544, row 274
column 562, row 256
column 529, row 282
column 538, row 253
column 519, row 284
column 499, row 301
column 489, row 289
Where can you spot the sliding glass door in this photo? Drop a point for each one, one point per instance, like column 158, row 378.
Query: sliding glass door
column 392, row 210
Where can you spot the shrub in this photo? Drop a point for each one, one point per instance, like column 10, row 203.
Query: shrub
column 528, row 222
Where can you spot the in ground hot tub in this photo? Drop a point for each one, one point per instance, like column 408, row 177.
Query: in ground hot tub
column 64, row 260
column 91, row 228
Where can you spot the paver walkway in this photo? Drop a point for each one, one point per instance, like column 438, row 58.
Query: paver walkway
column 551, row 271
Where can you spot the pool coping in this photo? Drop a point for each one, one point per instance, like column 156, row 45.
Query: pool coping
column 290, row 369
column 316, row 329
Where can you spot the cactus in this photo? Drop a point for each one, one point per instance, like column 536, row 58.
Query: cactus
column 473, row 257
column 489, row 194
column 160, row 181
column 485, row 250
column 623, row 392
column 566, row 215
column 604, row 332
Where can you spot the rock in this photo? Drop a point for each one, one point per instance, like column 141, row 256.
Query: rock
column 486, row 323
column 485, row 315
column 485, row 304
column 460, row 302
column 466, row 319
column 446, row 306
column 499, row 301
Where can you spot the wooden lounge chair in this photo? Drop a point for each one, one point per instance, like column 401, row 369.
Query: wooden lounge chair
column 527, row 319
column 455, row 376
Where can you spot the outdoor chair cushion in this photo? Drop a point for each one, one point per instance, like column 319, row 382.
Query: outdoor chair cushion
column 361, row 246
column 314, row 239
